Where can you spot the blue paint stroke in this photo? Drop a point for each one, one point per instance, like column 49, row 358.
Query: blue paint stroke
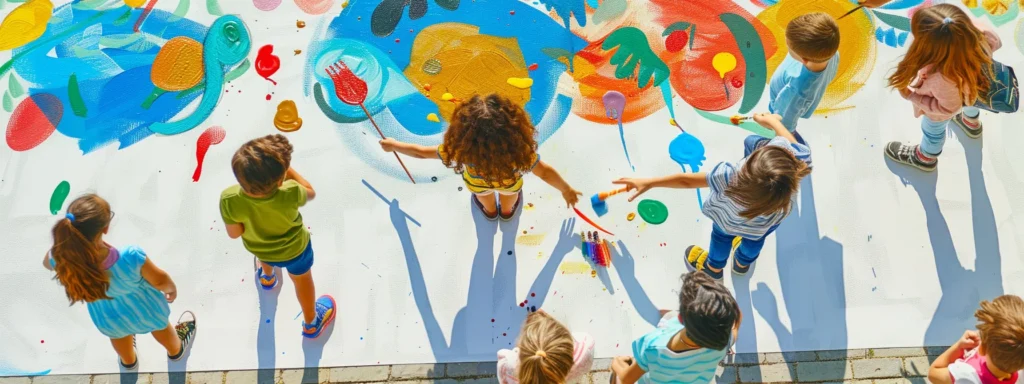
column 666, row 93
column 225, row 46
column 687, row 150
column 386, row 201
column 6, row 370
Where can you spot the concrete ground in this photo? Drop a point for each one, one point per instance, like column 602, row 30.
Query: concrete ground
column 861, row 366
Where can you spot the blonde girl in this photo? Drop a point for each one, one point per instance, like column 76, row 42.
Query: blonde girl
column 125, row 292
column 546, row 353
column 942, row 75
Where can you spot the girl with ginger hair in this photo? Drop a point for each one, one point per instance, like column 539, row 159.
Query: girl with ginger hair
column 546, row 353
column 125, row 292
column 943, row 74
column 490, row 141
column 992, row 355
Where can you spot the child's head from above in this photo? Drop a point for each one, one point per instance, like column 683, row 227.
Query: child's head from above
column 1001, row 324
column 813, row 37
column 78, row 250
column 945, row 38
column 707, row 310
column 545, row 350
column 261, row 164
column 492, row 135
column 766, row 182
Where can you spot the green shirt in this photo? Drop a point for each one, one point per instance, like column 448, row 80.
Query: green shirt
column 273, row 224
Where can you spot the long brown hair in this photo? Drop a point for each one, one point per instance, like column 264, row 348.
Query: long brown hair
column 493, row 136
column 767, row 181
column 78, row 250
column 545, row 350
column 945, row 37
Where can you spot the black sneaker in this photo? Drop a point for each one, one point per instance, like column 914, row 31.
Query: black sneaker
column 973, row 132
column 736, row 268
column 186, row 329
column 907, row 154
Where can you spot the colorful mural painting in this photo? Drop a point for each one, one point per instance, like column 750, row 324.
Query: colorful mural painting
column 144, row 102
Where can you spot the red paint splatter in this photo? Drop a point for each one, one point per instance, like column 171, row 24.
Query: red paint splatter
column 533, row 67
column 267, row 63
column 503, row 333
column 492, row 320
column 513, row 12
column 676, row 41
column 268, row 97
column 33, row 121
column 211, row 136
column 398, row 40
column 42, row 341
column 526, row 301
column 522, row 304
column 533, row 294
column 737, row 82
column 145, row 13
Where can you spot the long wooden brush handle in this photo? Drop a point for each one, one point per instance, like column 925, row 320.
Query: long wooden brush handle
column 379, row 132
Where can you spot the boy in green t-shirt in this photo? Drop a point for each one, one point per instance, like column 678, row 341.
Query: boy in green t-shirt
column 264, row 211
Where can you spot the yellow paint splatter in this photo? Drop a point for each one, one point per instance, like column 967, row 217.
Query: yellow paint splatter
column 673, row 123
column 528, row 207
column 630, row 216
column 344, row 4
column 856, row 56
column 433, row 117
column 298, row 51
column 447, row 97
column 520, row 82
column 134, row 3
column 574, row 268
column 530, row 239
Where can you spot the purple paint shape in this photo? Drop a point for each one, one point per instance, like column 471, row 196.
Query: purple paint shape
column 266, row 5
column 614, row 106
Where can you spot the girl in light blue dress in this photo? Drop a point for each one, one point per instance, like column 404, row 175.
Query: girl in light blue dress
column 125, row 292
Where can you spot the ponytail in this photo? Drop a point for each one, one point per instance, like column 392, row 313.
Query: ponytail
column 545, row 350
column 78, row 252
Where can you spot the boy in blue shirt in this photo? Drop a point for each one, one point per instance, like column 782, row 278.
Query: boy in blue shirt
column 674, row 353
column 799, row 83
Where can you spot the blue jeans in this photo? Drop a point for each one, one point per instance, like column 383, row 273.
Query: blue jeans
column 721, row 245
column 935, row 132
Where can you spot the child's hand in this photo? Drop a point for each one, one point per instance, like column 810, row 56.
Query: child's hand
column 571, row 197
column 969, row 340
column 388, row 145
column 766, row 119
column 640, row 185
column 171, row 293
column 905, row 93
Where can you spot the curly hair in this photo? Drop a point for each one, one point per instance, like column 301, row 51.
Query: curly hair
column 260, row 164
column 493, row 136
column 957, row 49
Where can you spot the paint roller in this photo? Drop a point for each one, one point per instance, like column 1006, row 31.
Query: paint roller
column 597, row 201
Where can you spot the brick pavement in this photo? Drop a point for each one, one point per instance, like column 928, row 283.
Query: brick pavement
column 860, row 366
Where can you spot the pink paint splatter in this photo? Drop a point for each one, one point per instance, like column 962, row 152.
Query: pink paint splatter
column 266, row 5
column 211, row 136
column 315, row 7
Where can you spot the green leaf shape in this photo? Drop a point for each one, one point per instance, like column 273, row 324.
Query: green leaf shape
column 898, row 22
column 213, row 8
column 14, row 86
column 8, row 103
column 75, row 97
column 58, row 196
column 676, row 26
column 633, row 55
column 123, row 18
column 752, row 50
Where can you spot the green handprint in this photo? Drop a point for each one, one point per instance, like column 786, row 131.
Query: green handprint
column 632, row 50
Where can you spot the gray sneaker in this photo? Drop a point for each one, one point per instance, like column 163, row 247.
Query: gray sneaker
column 907, row 154
column 972, row 132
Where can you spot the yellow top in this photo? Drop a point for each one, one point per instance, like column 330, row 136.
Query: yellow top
column 477, row 184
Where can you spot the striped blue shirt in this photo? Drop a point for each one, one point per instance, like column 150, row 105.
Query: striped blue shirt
column 664, row 365
column 726, row 213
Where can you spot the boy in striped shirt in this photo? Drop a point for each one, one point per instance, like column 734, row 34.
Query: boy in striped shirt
column 678, row 353
column 748, row 199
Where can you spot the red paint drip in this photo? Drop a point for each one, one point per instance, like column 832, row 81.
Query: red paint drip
column 737, row 83
column 533, row 294
column 42, row 341
column 268, row 96
column 145, row 13
column 211, row 136
column 513, row 12
column 533, row 67
column 591, row 222
column 267, row 63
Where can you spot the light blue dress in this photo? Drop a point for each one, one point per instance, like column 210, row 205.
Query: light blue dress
column 134, row 307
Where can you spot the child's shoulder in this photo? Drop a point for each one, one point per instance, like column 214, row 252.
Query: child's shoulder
column 231, row 192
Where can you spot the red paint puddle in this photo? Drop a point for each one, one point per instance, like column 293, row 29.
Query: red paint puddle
column 267, row 63
column 211, row 136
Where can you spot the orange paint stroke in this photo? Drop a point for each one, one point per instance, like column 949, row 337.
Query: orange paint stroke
column 179, row 65
column 314, row 7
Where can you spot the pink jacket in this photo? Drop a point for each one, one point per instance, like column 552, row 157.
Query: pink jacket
column 937, row 97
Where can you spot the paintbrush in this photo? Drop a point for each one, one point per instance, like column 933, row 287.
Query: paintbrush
column 737, row 119
column 851, row 12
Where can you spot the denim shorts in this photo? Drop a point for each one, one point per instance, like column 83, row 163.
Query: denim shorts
column 298, row 265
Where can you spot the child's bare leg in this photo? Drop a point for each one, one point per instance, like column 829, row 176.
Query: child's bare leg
column 488, row 202
column 508, row 203
column 125, row 348
column 305, row 291
column 169, row 339
column 267, row 268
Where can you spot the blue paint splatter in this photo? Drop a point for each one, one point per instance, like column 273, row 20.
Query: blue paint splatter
column 268, row 321
column 687, row 150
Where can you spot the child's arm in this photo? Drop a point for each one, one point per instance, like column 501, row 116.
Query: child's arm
column 408, row 149
column 627, row 370
column 786, row 105
column 678, row 180
column 550, row 175
column 293, row 175
column 235, row 230
column 939, row 371
column 159, row 280
column 774, row 122
column 46, row 262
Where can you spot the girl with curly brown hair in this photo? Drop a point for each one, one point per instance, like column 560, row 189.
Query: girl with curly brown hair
column 490, row 141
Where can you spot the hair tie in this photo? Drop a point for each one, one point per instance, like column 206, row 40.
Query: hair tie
column 947, row 21
column 70, row 216
column 541, row 353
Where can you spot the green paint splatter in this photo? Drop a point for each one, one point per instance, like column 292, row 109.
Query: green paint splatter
column 14, row 86
column 753, row 54
column 231, row 75
column 749, row 126
column 677, row 26
column 75, row 97
column 652, row 211
column 182, row 10
column 88, row 4
column 59, row 195
column 8, row 103
column 157, row 92
column 123, row 18
column 213, row 7
column 120, row 41
column 632, row 51
column 898, row 22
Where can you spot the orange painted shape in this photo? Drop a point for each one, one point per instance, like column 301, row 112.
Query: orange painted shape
column 179, row 65
column 287, row 117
